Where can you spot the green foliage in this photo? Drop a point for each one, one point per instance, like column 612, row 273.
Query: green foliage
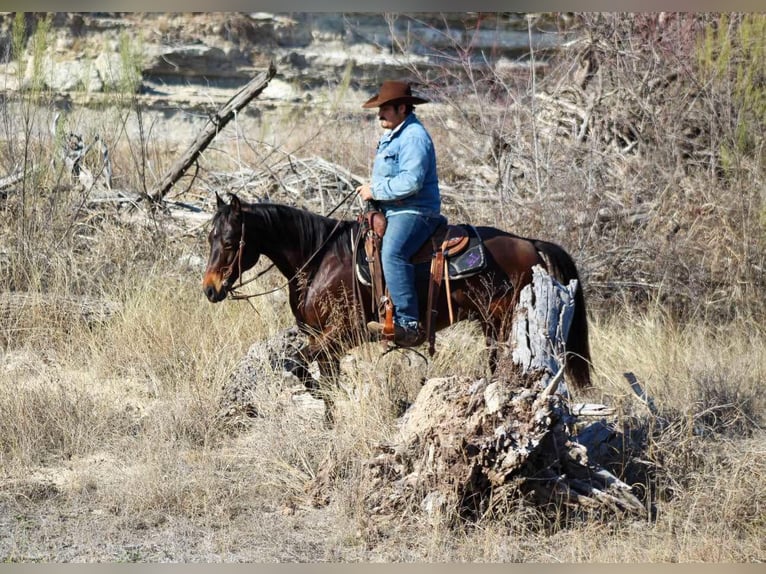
column 130, row 64
column 39, row 45
column 18, row 42
column 732, row 59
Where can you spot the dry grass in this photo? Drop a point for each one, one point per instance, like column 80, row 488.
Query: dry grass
column 113, row 443
column 113, row 448
column 682, row 363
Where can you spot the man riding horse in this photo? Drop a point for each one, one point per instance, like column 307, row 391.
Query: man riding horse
column 316, row 255
column 405, row 187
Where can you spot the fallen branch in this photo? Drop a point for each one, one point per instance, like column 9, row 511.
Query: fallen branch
column 12, row 179
column 214, row 125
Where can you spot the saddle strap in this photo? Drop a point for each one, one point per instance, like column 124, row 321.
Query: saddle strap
column 448, row 289
column 372, row 251
column 437, row 271
column 382, row 307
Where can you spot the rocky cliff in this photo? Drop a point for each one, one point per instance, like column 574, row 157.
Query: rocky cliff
column 182, row 56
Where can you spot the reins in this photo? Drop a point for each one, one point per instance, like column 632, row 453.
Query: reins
column 240, row 249
column 241, row 296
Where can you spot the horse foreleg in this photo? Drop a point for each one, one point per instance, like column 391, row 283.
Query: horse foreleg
column 326, row 349
column 327, row 357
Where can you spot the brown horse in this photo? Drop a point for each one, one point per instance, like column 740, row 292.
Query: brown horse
column 315, row 254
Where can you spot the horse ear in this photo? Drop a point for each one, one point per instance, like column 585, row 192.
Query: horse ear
column 218, row 201
column 235, row 204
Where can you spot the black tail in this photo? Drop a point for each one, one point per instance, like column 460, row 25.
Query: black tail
column 561, row 267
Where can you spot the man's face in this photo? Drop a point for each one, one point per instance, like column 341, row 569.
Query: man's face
column 391, row 116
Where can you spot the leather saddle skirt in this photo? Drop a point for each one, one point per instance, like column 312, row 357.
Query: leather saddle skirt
column 461, row 244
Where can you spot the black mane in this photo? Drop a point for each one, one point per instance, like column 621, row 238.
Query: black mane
column 283, row 224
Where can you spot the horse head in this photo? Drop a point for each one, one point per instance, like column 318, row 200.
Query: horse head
column 228, row 256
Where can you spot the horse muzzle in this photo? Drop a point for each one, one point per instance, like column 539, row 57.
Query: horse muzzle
column 215, row 296
column 215, row 287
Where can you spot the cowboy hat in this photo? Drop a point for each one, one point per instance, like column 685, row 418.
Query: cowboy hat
column 393, row 91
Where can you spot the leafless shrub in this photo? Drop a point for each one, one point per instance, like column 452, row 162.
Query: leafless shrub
column 621, row 150
column 113, row 443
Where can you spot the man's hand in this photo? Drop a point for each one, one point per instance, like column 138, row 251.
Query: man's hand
column 365, row 192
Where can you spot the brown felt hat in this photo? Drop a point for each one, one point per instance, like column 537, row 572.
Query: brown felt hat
column 393, row 91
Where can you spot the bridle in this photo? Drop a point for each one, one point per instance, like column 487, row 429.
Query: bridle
column 227, row 270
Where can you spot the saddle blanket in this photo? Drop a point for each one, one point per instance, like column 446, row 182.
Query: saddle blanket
column 470, row 261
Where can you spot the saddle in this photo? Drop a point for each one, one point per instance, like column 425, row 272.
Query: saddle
column 455, row 252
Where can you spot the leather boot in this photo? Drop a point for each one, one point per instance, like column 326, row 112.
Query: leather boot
column 402, row 337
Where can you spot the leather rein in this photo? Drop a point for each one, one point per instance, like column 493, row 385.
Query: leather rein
column 232, row 291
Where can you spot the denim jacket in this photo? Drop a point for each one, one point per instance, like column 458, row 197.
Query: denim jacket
column 404, row 178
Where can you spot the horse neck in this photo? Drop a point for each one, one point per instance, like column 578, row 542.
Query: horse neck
column 277, row 233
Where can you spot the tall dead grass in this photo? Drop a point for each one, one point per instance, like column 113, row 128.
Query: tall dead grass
column 121, row 418
column 114, row 446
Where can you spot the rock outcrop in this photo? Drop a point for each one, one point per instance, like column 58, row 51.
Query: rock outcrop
column 93, row 53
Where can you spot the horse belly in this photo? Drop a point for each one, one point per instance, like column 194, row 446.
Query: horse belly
column 329, row 301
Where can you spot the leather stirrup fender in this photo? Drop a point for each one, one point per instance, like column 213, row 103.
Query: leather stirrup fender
column 372, row 251
column 434, row 286
column 382, row 307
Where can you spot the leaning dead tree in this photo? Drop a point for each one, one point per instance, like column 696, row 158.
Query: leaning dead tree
column 214, row 125
column 467, row 448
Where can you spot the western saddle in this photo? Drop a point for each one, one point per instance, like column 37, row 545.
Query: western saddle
column 447, row 241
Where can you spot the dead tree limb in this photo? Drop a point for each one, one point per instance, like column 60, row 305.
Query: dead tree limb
column 214, row 125
column 12, row 179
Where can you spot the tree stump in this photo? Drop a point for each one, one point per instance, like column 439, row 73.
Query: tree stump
column 272, row 376
column 468, row 448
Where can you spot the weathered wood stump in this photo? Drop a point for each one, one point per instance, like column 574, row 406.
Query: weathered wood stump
column 467, row 448
column 272, row 376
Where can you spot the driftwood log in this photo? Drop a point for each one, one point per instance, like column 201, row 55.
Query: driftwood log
column 468, row 448
column 214, row 125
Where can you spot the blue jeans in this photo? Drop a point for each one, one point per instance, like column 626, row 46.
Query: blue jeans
column 405, row 234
